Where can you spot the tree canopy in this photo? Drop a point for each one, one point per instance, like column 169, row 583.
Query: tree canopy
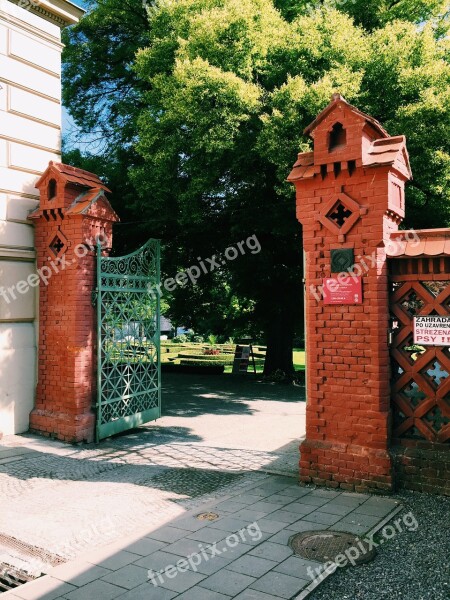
column 201, row 105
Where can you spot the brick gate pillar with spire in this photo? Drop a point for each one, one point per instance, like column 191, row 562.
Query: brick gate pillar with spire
column 73, row 213
column 350, row 198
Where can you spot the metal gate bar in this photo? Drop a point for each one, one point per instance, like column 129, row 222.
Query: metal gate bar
column 128, row 334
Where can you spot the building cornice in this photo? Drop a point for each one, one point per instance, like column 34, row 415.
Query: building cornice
column 17, row 253
column 58, row 12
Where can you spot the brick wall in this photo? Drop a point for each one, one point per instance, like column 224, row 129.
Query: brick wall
column 422, row 467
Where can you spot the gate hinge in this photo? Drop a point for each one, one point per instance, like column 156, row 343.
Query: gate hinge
column 94, row 297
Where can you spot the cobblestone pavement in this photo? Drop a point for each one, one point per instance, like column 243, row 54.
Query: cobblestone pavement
column 68, row 499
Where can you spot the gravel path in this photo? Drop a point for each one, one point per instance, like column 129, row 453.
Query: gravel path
column 413, row 565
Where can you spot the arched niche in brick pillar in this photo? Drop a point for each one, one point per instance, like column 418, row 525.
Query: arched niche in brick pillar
column 350, row 197
column 72, row 214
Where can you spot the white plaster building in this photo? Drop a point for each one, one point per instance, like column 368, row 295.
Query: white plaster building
column 30, row 136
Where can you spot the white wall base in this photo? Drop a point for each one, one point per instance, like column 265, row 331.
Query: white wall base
column 17, row 376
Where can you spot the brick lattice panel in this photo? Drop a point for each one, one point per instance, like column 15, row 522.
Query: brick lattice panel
column 420, row 374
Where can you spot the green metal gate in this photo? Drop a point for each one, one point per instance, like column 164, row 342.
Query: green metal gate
column 128, row 334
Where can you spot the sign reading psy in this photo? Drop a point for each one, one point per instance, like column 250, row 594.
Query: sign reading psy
column 432, row 330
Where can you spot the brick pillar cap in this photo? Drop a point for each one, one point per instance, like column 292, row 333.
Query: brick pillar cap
column 336, row 100
column 70, row 174
column 388, row 151
column 95, row 204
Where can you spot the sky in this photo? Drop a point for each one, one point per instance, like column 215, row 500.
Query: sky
column 67, row 123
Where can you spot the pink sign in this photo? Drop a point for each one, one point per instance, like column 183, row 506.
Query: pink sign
column 344, row 290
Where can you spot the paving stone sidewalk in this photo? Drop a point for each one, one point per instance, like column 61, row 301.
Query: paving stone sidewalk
column 113, row 511
column 215, row 434
column 254, row 564
column 65, row 499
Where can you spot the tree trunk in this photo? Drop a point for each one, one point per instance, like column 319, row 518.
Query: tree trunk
column 280, row 335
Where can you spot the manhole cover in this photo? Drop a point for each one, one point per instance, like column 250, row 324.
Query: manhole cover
column 324, row 546
column 207, row 516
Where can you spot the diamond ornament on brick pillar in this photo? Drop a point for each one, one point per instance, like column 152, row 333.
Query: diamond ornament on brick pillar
column 340, row 213
column 57, row 244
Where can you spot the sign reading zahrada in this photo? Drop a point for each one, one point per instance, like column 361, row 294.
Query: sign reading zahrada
column 432, row 330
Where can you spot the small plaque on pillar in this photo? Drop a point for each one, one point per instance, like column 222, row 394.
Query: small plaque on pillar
column 342, row 259
column 342, row 290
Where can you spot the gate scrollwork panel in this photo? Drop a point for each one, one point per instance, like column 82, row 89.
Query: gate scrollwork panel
column 128, row 333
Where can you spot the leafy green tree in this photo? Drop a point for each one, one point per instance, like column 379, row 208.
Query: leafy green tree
column 202, row 104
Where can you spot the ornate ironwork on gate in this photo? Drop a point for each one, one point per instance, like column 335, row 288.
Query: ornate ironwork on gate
column 421, row 374
column 128, row 354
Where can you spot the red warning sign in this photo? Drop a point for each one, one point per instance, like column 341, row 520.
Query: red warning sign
column 342, row 290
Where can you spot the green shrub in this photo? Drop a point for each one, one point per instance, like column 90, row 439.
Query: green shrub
column 193, row 368
column 186, row 353
column 169, row 356
column 180, row 339
column 200, row 363
column 176, row 348
column 225, row 358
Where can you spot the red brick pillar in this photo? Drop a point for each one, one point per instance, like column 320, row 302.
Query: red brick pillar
column 350, row 196
column 73, row 213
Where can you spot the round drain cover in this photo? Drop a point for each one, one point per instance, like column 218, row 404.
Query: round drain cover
column 207, row 516
column 324, row 546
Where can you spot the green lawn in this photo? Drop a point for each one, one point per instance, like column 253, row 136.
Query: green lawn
column 299, row 359
column 171, row 352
